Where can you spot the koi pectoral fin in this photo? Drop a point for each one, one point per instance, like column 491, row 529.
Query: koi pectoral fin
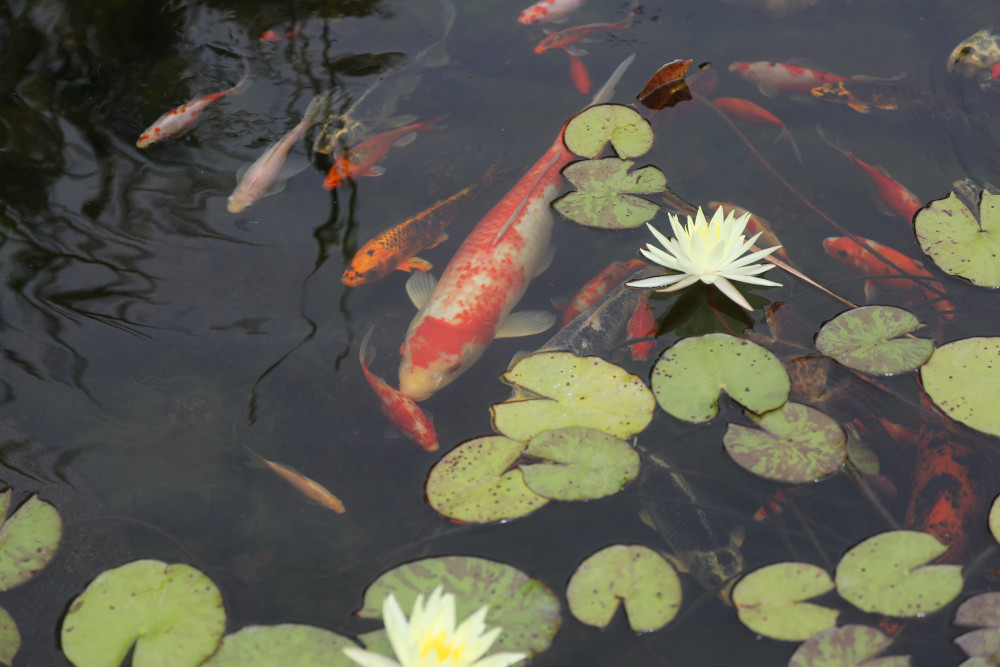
column 438, row 241
column 415, row 264
column 419, row 287
column 376, row 170
column 525, row 323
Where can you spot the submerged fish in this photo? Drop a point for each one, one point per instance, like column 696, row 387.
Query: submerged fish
column 567, row 39
column 598, row 286
column 865, row 95
column 773, row 78
column 309, row 488
column 549, row 11
column 754, row 113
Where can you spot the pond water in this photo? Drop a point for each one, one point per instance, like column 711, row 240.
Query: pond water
column 150, row 337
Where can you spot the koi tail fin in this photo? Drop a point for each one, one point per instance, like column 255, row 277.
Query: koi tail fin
column 244, row 81
column 786, row 135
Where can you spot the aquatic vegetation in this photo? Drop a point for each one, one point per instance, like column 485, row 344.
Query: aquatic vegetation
column 579, row 464
column 589, row 131
column 982, row 612
column 847, row 645
column 960, row 378
column 963, row 241
column 771, row 601
column 605, row 193
column 868, row 339
column 282, row 644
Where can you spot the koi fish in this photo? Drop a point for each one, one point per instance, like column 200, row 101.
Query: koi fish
column 773, row 78
column 862, row 102
column 578, row 74
column 865, row 95
column 490, row 272
column 289, row 32
column 363, row 159
column 863, row 262
column 311, row 489
column 566, row 39
column 549, row 11
column 640, row 325
column 396, row 248
column 399, row 408
column 598, row 286
column 893, row 195
column 753, row 113
column 179, row 119
column 256, row 181
column 755, row 225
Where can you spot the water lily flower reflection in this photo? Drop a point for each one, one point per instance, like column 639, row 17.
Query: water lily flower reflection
column 430, row 638
column 711, row 252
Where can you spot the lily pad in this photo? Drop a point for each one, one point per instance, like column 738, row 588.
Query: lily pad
column 10, row 638
column 865, row 339
column 474, row 482
column 288, row 645
column 629, row 133
column 633, row 574
column 960, row 241
column 524, row 607
column 604, row 195
column 689, row 376
column 173, row 614
column 983, row 643
column 28, row 540
column 575, row 391
column 796, row 443
column 962, row 378
column 994, row 519
column 584, row 464
column 883, row 575
column 847, row 646
column 979, row 611
column 769, row 601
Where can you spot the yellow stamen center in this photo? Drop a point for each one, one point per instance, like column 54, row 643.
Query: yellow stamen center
column 441, row 643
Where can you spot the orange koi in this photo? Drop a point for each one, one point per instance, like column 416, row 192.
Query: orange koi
column 179, row 119
column 363, row 159
column 289, row 32
column 566, row 39
column 995, row 70
column 772, row 78
column 399, row 408
column 755, row 225
column 642, row 325
column 578, row 74
column 598, row 286
column 753, row 113
column 311, row 489
column 549, row 11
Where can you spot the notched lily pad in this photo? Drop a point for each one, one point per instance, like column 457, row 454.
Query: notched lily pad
column 962, row 378
column 865, row 339
column 689, row 376
column 961, row 241
column 604, row 195
column 847, row 646
column 588, row 132
column 288, row 645
column 886, row 574
column 983, row 612
column 633, row 574
column 770, row 601
column 10, row 638
column 474, row 482
column 28, row 539
column 582, row 464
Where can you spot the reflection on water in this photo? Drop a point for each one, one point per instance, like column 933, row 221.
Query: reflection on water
column 149, row 335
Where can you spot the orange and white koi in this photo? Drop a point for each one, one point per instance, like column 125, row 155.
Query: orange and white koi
column 363, row 159
column 179, row 119
column 893, row 195
column 399, row 408
column 773, row 78
column 755, row 225
column 578, row 74
column 642, row 325
column 549, row 11
column 598, row 286
column 753, row 113
column 567, row 39
column 311, row 489
column 488, row 275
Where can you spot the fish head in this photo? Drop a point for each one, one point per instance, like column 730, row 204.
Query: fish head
column 842, row 249
column 436, row 352
column 713, row 569
column 368, row 264
column 238, row 201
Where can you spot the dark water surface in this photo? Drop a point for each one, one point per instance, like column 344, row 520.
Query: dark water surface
column 147, row 334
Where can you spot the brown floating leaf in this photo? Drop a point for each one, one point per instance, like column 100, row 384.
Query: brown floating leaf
column 667, row 86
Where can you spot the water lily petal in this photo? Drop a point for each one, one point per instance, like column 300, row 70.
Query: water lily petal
column 655, row 281
column 753, row 281
column 681, row 284
column 368, row 658
column 734, row 295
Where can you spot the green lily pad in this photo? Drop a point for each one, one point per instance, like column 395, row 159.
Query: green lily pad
column 377, row 641
column 474, row 482
column 847, row 646
column 584, row 464
column 575, row 391
column 637, row 576
column 797, row 444
column 629, row 133
column 983, row 643
column 994, row 519
column 865, row 339
column 10, row 638
column 524, row 607
column 962, row 242
column 173, row 614
column 288, row 645
column 962, row 378
column 604, row 195
column 883, row 575
column 979, row 611
column 769, row 601
column 28, row 540
column 689, row 376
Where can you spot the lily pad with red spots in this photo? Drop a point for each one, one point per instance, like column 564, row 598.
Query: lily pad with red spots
column 771, row 601
column 962, row 379
column 847, row 646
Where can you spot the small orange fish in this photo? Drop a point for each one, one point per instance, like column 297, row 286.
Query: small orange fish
column 642, row 325
column 753, row 113
column 363, row 159
column 307, row 487
column 755, row 225
column 598, row 286
column 398, row 407
column 289, row 32
column 549, row 11
column 565, row 39
column 578, row 74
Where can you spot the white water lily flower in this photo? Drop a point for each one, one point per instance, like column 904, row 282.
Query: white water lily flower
column 430, row 638
column 711, row 252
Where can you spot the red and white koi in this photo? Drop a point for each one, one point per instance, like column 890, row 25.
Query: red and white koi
column 549, row 11
column 753, row 113
column 773, row 78
column 595, row 288
column 488, row 275
column 567, row 39
column 179, row 119
column 399, row 408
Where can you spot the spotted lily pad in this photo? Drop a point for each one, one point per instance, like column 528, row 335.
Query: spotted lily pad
column 962, row 378
column 172, row 613
column 886, row 574
column 28, row 539
column 983, row 612
column 847, row 646
column 582, row 464
column 575, row 391
column 588, row 132
column 524, row 607
column 770, row 601
column 633, row 574
column 961, row 241
column 604, row 195
column 288, row 645
column 689, row 376
column 795, row 443
column 865, row 339
column 474, row 482
column 10, row 638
